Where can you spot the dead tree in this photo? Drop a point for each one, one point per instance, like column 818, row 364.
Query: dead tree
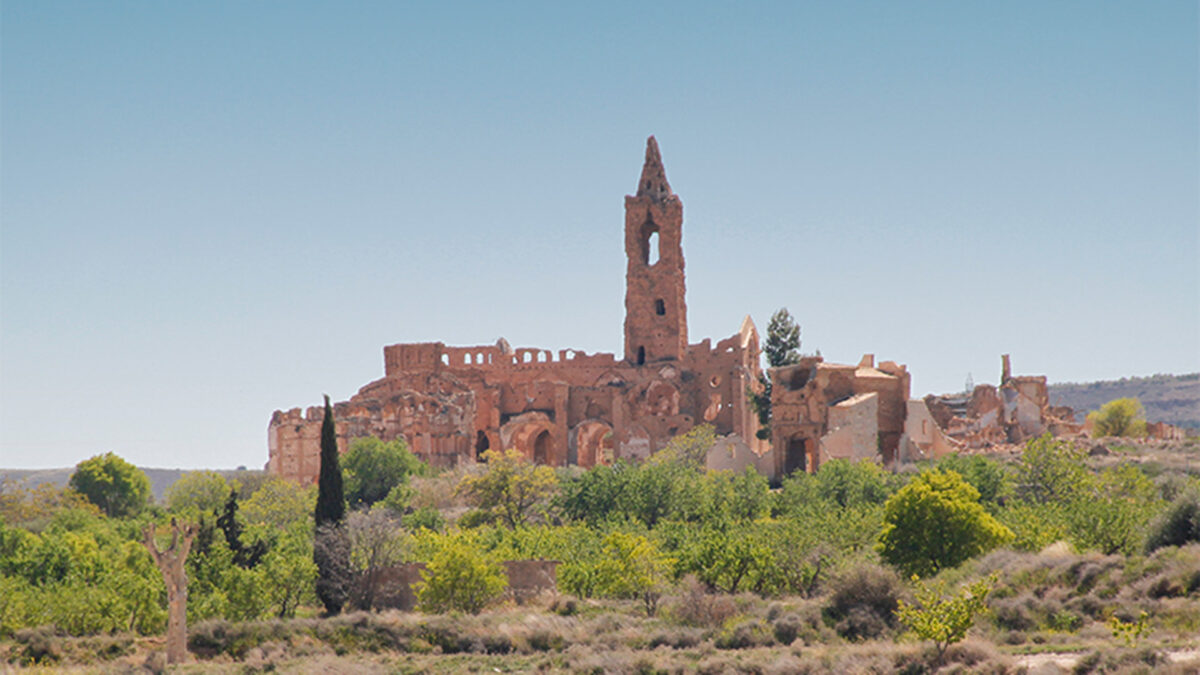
column 170, row 563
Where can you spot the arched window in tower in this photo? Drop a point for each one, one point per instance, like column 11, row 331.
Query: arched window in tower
column 652, row 249
column 641, row 356
column 660, row 307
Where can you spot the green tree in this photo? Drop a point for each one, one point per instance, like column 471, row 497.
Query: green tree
column 782, row 347
column 117, row 487
column 331, row 500
column 278, row 504
column 371, row 468
column 1119, row 417
column 936, row 522
column 511, row 489
column 1051, row 471
column 847, row 483
column 244, row 556
column 460, row 577
column 986, row 475
column 331, row 550
column 631, row 566
column 198, row 492
column 689, row 449
column 943, row 618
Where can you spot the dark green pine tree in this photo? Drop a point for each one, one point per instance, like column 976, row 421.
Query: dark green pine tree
column 331, row 502
column 331, row 551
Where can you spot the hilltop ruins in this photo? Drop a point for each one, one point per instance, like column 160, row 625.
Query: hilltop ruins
column 566, row 407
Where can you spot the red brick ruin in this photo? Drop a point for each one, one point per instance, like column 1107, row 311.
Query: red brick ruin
column 566, row 407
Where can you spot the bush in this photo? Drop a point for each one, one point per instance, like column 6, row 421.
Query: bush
column 863, row 602
column 39, row 646
column 1119, row 417
column 697, row 607
column 459, row 578
column 936, row 522
column 1178, row 525
column 945, row 618
column 743, row 634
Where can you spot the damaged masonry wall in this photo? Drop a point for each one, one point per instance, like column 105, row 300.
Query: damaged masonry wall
column 563, row 407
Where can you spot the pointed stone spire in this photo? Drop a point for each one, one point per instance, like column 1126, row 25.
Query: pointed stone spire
column 653, row 183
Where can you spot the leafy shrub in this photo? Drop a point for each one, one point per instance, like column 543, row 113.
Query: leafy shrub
column 39, row 646
column 695, row 606
column 743, row 634
column 863, row 602
column 936, row 522
column 459, row 578
column 1178, row 525
column 787, row 628
column 1119, row 417
column 943, row 618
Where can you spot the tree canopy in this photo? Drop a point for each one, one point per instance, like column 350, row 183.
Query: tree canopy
column 1119, row 417
column 115, row 486
column 783, row 340
column 936, row 522
column 371, row 468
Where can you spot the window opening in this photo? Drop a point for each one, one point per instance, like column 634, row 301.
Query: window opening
column 641, row 356
column 660, row 307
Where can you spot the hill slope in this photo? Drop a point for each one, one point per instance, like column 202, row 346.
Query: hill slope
column 1174, row 399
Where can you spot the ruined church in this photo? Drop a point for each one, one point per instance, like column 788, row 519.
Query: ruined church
column 570, row 408
column 563, row 407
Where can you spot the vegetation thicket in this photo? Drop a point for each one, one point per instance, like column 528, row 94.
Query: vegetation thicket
column 1057, row 546
column 115, row 486
column 1119, row 417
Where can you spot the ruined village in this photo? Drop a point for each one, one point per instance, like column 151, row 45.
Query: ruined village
column 564, row 407
column 218, row 216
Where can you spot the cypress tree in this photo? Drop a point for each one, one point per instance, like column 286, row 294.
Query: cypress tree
column 331, row 502
column 331, row 551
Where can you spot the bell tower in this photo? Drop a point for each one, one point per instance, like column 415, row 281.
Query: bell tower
column 655, row 312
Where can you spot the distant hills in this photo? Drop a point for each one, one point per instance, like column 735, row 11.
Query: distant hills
column 1174, row 399
column 160, row 479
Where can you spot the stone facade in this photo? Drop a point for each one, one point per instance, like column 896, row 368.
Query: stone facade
column 562, row 407
column 822, row 411
column 1016, row 411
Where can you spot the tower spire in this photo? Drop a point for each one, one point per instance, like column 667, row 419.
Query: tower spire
column 653, row 183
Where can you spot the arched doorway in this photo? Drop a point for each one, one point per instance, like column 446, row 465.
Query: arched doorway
column 481, row 445
column 795, row 457
column 543, row 448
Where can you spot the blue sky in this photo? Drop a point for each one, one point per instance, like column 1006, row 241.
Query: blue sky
column 211, row 210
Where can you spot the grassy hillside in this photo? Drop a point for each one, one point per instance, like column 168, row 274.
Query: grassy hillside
column 1167, row 398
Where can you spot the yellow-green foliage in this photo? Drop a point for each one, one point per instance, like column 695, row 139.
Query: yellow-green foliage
column 1119, row 417
column 936, row 522
column 944, row 618
column 197, row 492
column 460, row 577
column 512, row 490
column 631, row 566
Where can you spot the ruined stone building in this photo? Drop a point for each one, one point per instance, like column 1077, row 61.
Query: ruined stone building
column 560, row 407
column 566, row 407
column 822, row 411
column 1014, row 412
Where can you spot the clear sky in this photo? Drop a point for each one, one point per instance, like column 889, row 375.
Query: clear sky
column 212, row 210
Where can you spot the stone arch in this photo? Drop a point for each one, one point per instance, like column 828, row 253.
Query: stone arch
column 636, row 445
column 523, row 433
column 591, row 443
column 482, row 444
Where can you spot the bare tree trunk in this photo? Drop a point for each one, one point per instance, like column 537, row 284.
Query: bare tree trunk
column 170, row 563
